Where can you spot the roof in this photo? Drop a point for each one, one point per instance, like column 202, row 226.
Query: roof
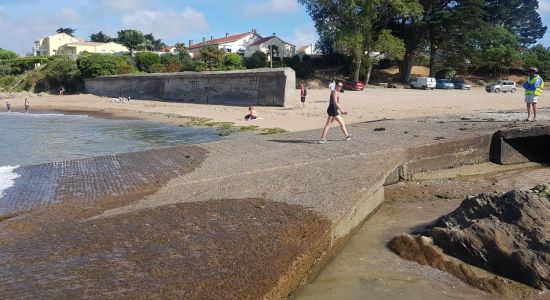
column 89, row 44
column 167, row 49
column 265, row 39
column 223, row 40
column 303, row 48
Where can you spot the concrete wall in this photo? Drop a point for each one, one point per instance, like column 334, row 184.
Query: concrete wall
column 264, row 87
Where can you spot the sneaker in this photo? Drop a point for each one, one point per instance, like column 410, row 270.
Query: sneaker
column 349, row 137
column 323, row 141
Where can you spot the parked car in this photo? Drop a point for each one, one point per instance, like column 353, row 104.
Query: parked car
column 354, row 85
column 501, row 86
column 461, row 85
column 444, row 84
column 423, row 83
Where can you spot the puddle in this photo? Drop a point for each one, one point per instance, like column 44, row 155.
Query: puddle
column 367, row 269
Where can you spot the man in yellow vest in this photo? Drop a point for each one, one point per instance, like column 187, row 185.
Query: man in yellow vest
column 533, row 89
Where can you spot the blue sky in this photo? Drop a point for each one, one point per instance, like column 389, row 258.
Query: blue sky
column 24, row 21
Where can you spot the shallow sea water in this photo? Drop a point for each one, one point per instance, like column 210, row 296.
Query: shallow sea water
column 367, row 269
column 38, row 138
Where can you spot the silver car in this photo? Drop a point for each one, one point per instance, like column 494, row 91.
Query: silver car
column 501, row 86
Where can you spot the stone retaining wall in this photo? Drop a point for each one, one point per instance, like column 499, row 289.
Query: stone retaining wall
column 264, row 87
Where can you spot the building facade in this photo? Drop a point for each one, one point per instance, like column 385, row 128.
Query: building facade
column 283, row 49
column 237, row 43
column 64, row 44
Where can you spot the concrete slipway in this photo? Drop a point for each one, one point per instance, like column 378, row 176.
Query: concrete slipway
column 236, row 219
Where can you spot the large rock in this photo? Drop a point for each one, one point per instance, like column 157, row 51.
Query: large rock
column 508, row 235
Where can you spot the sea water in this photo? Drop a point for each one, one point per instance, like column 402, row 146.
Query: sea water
column 27, row 139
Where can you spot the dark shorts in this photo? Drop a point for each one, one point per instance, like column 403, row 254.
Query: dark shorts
column 303, row 99
column 249, row 117
column 332, row 111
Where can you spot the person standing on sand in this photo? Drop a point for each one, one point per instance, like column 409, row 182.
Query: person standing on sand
column 8, row 106
column 303, row 94
column 332, row 111
column 27, row 105
column 533, row 89
column 61, row 90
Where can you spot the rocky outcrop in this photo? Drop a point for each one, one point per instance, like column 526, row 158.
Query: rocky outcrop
column 507, row 235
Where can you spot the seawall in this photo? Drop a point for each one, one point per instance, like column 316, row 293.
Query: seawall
column 262, row 87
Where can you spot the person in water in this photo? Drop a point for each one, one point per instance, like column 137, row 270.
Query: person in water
column 333, row 114
column 252, row 114
column 27, row 105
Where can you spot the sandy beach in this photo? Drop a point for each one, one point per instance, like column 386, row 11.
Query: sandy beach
column 362, row 106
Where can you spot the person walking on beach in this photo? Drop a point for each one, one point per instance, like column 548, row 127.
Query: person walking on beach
column 332, row 111
column 303, row 94
column 27, row 105
column 8, row 106
column 533, row 89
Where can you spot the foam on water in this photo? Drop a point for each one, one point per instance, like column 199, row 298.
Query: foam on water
column 7, row 178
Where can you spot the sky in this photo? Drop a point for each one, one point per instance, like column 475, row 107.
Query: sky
column 24, row 21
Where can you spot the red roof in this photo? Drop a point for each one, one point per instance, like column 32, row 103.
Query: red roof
column 303, row 48
column 223, row 40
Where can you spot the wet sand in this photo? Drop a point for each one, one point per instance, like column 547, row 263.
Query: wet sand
column 367, row 269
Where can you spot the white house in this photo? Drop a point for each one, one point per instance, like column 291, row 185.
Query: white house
column 284, row 49
column 64, row 44
column 236, row 43
column 305, row 50
column 49, row 45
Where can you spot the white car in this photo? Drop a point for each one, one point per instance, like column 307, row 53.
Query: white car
column 423, row 83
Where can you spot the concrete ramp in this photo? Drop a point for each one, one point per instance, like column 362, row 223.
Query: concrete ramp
column 242, row 219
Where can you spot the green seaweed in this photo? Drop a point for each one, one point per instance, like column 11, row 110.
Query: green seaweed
column 275, row 130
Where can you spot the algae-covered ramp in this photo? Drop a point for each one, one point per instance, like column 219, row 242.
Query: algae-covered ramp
column 265, row 87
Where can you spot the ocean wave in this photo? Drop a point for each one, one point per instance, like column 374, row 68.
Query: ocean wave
column 7, row 178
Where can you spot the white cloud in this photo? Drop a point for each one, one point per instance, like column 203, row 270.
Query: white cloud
column 18, row 34
column 123, row 5
column 167, row 24
column 305, row 35
column 544, row 6
column 270, row 7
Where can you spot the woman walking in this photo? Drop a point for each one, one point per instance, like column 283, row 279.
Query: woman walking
column 332, row 111
column 27, row 105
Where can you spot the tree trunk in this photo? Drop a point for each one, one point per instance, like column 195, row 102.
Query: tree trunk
column 357, row 66
column 405, row 67
column 433, row 52
column 367, row 77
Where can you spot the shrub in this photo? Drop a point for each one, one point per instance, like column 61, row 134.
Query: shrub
column 306, row 58
column 93, row 65
column 173, row 65
column 125, row 69
column 447, row 73
column 6, row 68
column 258, row 59
column 7, row 83
column 291, row 61
column 145, row 59
column 23, row 64
column 62, row 71
column 233, row 61
column 211, row 58
column 156, row 68
column 278, row 64
column 7, row 54
column 304, row 70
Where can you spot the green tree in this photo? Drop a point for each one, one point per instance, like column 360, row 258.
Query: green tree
column 156, row 68
column 212, row 58
column 233, row 61
column 94, row 64
column 100, row 37
column 386, row 44
column 131, row 38
column 258, row 59
column 538, row 56
column 27, row 63
column 145, row 59
column 69, row 31
column 7, row 54
column 498, row 51
column 62, row 71
column 519, row 17
column 154, row 44
column 180, row 47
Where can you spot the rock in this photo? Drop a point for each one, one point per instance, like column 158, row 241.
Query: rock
column 508, row 235
column 422, row 250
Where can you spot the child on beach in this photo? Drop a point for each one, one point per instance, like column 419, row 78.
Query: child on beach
column 252, row 114
column 303, row 94
column 61, row 90
column 8, row 106
column 27, row 105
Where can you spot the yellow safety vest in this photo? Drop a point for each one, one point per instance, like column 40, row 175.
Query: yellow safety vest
column 538, row 91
